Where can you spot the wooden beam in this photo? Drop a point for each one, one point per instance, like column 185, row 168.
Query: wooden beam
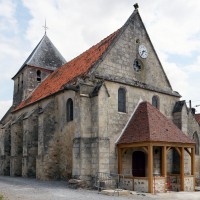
column 119, row 160
column 164, row 163
column 143, row 144
column 193, row 164
column 182, row 169
column 168, row 148
column 150, row 168
column 145, row 149
column 178, row 150
column 188, row 152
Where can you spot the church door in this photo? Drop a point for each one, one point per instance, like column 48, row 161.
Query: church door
column 138, row 164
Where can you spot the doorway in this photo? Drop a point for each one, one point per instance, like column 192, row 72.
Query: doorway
column 138, row 164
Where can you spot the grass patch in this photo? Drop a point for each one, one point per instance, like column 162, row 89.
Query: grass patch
column 1, row 197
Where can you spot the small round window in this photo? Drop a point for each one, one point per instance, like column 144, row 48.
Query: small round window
column 137, row 65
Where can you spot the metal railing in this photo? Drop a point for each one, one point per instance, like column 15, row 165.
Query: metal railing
column 109, row 181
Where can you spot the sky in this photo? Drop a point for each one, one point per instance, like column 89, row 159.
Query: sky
column 76, row 25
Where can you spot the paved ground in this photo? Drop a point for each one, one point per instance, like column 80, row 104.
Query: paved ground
column 31, row 189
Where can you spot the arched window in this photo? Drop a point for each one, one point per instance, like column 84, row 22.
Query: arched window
column 18, row 81
column 155, row 101
column 22, row 81
column 38, row 76
column 69, row 107
column 196, row 139
column 122, row 100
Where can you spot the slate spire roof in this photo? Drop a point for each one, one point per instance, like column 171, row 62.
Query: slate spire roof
column 148, row 124
column 45, row 55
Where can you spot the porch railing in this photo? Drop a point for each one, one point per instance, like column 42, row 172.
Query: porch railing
column 105, row 180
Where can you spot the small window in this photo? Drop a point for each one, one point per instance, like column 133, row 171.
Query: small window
column 122, row 100
column 137, row 65
column 38, row 76
column 22, row 82
column 69, row 110
column 18, row 81
column 196, row 139
column 155, row 101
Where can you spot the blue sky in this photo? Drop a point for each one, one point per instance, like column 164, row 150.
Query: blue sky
column 75, row 25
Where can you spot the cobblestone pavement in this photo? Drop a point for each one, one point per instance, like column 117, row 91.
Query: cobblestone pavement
column 31, row 189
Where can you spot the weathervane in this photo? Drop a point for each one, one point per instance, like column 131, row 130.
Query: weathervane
column 45, row 27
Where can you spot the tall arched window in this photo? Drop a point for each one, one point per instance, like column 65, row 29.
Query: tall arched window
column 155, row 101
column 196, row 139
column 38, row 76
column 70, row 112
column 122, row 100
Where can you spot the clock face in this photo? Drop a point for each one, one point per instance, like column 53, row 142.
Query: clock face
column 143, row 51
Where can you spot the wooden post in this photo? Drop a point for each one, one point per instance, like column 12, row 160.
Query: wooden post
column 193, row 164
column 150, row 168
column 182, row 169
column 119, row 160
column 164, row 164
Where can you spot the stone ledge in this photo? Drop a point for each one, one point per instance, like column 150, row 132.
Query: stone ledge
column 77, row 183
column 118, row 192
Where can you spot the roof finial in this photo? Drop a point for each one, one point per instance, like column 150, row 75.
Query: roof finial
column 136, row 6
column 45, row 27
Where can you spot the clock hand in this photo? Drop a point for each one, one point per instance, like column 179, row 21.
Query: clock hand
column 143, row 52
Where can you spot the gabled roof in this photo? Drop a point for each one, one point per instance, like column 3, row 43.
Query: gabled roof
column 148, row 124
column 45, row 55
column 68, row 72
column 197, row 117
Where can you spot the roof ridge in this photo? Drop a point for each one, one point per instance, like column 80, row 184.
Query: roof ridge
column 148, row 118
column 123, row 130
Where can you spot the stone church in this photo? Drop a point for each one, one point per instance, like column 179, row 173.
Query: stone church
column 111, row 110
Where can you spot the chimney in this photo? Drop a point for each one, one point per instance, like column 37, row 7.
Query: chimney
column 193, row 111
column 190, row 104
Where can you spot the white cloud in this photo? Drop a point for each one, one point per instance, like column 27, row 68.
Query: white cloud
column 4, row 106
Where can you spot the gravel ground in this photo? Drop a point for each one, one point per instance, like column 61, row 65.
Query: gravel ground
column 31, row 189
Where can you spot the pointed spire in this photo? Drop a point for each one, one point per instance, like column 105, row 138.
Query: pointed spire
column 45, row 27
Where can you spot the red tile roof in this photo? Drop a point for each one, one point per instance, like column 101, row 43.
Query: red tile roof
column 197, row 117
column 148, row 124
column 77, row 67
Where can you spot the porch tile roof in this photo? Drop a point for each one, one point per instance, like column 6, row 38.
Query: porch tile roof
column 148, row 124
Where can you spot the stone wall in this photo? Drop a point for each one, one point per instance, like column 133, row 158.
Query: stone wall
column 193, row 127
column 159, row 184
column 5, row 148
column 25, row 82
column 47, row 160
column 189, row 183
column 141, row 185
column 16, row 147
column 30, row 143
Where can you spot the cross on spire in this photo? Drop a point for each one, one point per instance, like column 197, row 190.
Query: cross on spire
column 45, row 27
